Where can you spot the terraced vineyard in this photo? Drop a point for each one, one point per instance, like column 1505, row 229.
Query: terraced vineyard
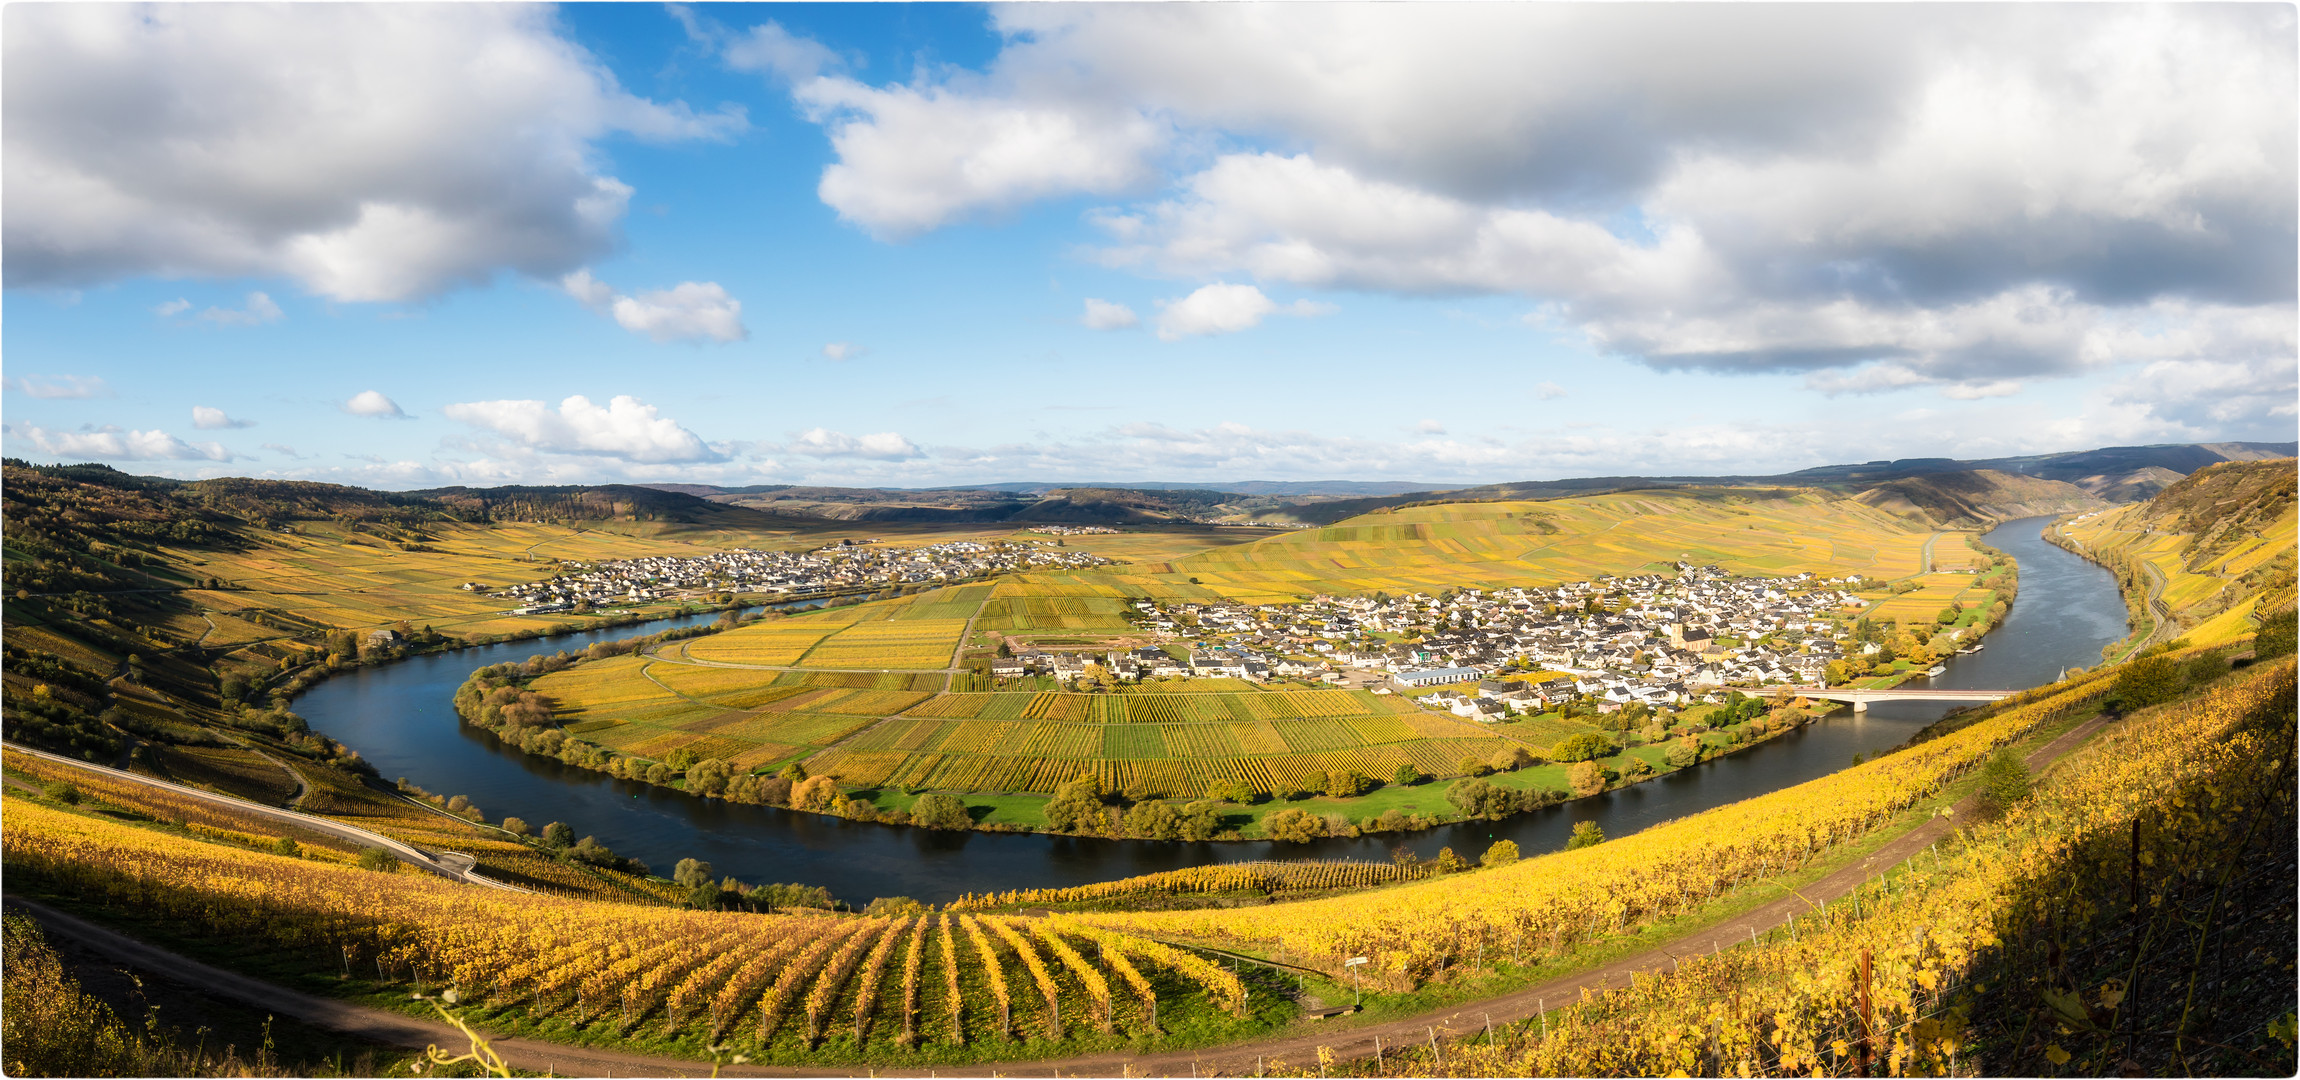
column 2217, row 546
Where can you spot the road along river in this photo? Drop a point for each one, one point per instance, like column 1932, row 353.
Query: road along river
column 401, row 718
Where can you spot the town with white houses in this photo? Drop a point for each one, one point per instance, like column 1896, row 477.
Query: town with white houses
column 848, row 566
column 1656, row 639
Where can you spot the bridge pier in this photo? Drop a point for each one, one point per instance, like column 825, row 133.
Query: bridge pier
column 1860, row 705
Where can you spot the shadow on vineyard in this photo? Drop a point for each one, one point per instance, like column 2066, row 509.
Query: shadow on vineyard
column 2131, row 914
column 2166, row 947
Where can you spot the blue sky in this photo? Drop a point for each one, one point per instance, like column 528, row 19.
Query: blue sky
column 411, row 246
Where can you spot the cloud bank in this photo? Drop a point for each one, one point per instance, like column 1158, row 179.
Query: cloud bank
column 1966, row 198
column 409, row 149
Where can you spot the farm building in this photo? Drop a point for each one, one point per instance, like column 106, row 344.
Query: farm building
column 1413, row 680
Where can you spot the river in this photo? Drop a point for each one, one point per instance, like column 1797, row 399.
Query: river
column 400, row 717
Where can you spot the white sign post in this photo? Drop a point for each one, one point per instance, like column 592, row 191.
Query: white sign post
column 1357, row 994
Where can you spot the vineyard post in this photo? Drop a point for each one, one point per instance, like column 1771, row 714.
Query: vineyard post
column 1378, row 1066
column 1434, row 1055
column 1868, row 1014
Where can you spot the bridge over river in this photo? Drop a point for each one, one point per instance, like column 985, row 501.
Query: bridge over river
column 1861, row 699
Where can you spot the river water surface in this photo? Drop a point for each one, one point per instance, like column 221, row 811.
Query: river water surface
column 401, row 718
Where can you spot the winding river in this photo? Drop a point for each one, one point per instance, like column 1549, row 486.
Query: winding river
column 400, row 718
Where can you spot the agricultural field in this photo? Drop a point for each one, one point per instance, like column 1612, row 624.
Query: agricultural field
column 1030, row 607
column 1175, row 740
column 1153, row 745
column 1139, row 544
column 1937, row 591
column 1432, row 548
column 917, row 632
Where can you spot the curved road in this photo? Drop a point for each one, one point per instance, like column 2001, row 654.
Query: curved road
column 447, row 864
column 1296, row 1045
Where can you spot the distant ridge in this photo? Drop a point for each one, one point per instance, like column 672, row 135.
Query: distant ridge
column 1943, row 490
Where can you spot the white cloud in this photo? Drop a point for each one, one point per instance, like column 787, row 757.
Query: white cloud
column 1223, row 308
column 626, row 428
column 914, row 158
column 688, row 311
column 1965, row 197
column 1548, row 391
column 259, row 310
column 57, row 386
column 212, row 419
column 769, row 49
column 1430, row 427
column 120, row 444
column 373, row 403
column 406, row 150
column 843, row 351
column 884, row 446
column 1975, row 390
column 172, row 308
column 1106, row 315
column 283, row 450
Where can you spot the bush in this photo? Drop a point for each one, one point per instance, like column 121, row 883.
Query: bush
column 1154, row 821
column 2148, row 681
column 288, row 847
column 1502, row 853
column 1586, row 746
column 1586, row 777
column 516, row 826
column 2004, row 781
column 935, row 810
column 1585, row 834
column 1407, row 776
column 558, row 835
column 1346, row 783
column 1684, row 753
column 2275, row 637
column 894, row 906
column 375, row 858
column 62, row 792
column 1294, row 826
column 1076, row 806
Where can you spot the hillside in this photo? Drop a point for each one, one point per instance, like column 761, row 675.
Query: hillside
column 1978, row 497
column 2115, row 474
column 2207, row 553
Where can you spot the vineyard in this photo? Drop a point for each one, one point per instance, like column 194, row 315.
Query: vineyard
column 1274, row 879
column 937, row 987
column 2021, row 948
column 1545, row 906
column 871, row 729
column 1433, row 548
column 339, row 797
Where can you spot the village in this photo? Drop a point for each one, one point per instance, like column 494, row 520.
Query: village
column 1662, row 641
column 844, row 567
